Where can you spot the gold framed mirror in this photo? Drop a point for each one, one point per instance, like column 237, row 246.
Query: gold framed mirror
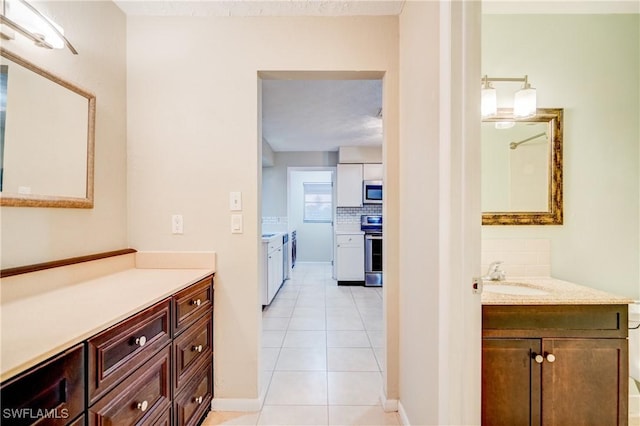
column 47, row 138
column 522, row 168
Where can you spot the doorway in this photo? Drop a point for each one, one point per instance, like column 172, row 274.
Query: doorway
column 311, row 303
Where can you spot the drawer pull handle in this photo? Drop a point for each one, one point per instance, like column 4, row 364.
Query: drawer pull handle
column 538, row 358
column 198, row 400
column 141, row 341
column 196, row 302
column 197, row 348
column 142, row 406
column 551, row 357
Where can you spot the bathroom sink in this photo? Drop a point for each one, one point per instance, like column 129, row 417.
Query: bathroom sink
column 518, row 289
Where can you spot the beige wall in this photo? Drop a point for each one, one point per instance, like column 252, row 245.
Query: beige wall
column 439, row 335
column 598, row 85
column 34, row 235
column 193, row 138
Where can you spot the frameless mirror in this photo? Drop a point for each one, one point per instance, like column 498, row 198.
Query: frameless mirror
column 46, row 138
column 521, row 180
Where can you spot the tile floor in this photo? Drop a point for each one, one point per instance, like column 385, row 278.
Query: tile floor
column 321, row 357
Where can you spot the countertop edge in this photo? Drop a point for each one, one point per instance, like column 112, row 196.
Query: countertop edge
column 52, row 350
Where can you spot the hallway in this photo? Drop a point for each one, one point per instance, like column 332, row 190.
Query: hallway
column 322, row 355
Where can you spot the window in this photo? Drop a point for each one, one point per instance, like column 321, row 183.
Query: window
column 318, row 201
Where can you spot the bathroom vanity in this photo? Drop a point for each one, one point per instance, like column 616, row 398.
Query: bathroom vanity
column 133, row 346
column 556, row 356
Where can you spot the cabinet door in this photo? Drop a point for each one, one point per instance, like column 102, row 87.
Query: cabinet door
column 584, row 382
column 372, row 171
column 510, row 382
column 350, row 258
column 349, row 191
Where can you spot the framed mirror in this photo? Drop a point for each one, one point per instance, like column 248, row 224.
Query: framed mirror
column 522, row 168
column 47, row 131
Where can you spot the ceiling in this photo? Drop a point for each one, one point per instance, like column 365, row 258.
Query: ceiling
column 321, row 115
column 261, row 7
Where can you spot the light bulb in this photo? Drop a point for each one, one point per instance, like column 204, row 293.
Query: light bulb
column 489, row 101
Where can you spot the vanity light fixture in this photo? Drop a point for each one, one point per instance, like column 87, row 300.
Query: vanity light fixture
column 524, row 100
column 21, row 16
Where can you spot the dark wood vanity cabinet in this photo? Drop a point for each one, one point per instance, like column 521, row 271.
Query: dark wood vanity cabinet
column 51, row 393
column 153, row 368
column 193, row 352
column 554, row 365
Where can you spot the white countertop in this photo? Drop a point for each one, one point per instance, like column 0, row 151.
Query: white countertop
column 37, row 327
column 347, row 232
column 558, row 292
column 272, row 237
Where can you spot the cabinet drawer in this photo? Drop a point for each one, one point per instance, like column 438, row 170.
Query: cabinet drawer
column 350, row 240
column 555, row 321
column 191, row 303
column 194, row 401
column 80, row 421
column 116, row 352
column 190, row 348
column 140, row 399
column 51, row 393
column 164, row 419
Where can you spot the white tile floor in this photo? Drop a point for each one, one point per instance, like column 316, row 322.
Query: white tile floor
column 322, row 355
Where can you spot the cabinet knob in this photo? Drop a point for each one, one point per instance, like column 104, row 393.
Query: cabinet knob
column 538, row 358
column 197, row 348
column 551, row 357
column 196, row 302
column 198, row 400
column 141, row 341
column 142, row 406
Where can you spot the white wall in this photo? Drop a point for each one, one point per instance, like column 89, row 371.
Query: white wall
column 33, row 235
column 193, row 138
column 274, row 179
column 440, row 325
column 588, row 65
column 314, row 240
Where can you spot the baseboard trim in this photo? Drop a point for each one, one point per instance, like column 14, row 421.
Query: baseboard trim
column 236, row 404
column 388, row 405
column 403, row 415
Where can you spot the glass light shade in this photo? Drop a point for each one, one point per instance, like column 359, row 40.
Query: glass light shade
column 489, row 102
column 22, row 15
column 524, row 102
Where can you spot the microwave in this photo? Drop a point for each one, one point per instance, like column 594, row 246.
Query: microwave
column 372, row 192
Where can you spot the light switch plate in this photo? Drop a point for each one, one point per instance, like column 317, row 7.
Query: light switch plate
column 236, row 224
column 235, row 201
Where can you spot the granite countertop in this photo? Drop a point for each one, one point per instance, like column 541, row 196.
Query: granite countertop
column 37, row 327
column 556, row 292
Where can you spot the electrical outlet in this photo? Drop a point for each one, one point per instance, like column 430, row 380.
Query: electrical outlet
column 177, row 224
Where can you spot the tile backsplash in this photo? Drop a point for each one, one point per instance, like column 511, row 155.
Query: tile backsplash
column 352, row 214
column 521, row 257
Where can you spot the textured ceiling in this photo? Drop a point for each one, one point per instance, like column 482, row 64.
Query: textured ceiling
column 321, row 115
column 261, row 7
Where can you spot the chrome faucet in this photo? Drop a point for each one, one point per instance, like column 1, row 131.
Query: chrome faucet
column 495, row 273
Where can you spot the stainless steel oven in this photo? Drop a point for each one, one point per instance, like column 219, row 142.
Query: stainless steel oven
column 372, row 227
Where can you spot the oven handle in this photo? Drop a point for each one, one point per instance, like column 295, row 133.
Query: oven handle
column 372, row 237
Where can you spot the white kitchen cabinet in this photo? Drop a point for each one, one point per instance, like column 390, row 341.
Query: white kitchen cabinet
column 349, row 185
column 272, row 264
column 350, row 257
column 372, row 171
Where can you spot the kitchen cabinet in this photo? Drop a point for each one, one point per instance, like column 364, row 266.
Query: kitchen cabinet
column 350, row 257
column 349, row 191
column 554, row 365
column 273, row 268
column 372, row 171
